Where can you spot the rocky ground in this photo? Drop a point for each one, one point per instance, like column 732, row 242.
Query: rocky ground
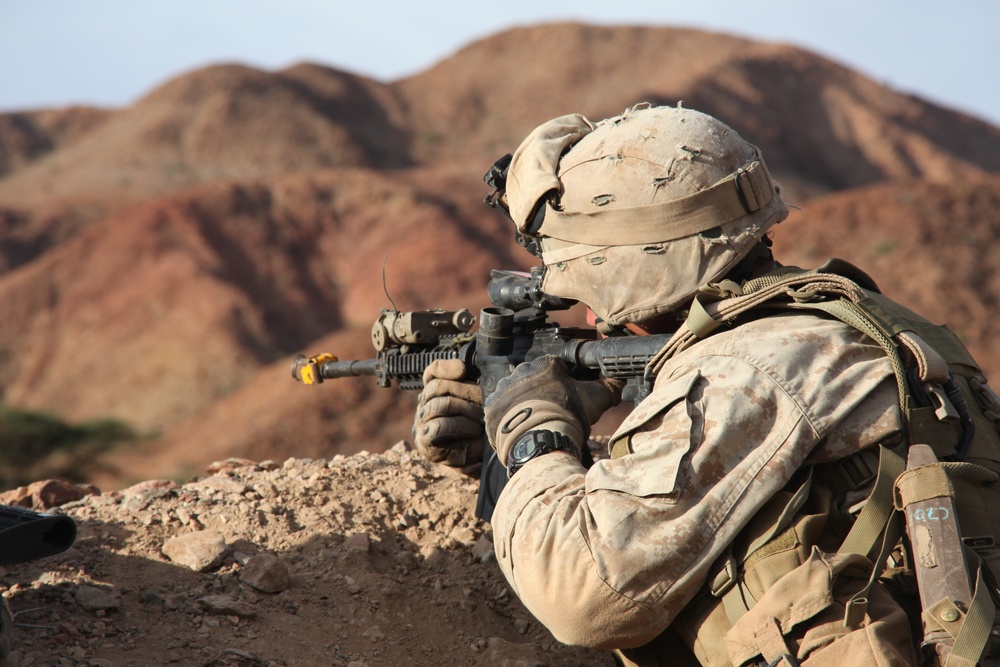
column 372, row 559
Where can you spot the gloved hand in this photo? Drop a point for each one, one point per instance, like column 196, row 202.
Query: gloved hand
column 448, row 425
column 542, row 395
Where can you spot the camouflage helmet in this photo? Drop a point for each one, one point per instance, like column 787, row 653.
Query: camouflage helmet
column 633, row 214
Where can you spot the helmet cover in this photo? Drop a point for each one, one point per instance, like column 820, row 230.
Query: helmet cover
column 634, row 213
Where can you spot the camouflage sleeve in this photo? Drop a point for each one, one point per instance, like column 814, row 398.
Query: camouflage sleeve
column 607, row 557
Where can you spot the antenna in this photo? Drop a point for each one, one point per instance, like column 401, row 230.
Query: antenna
column 385, row 288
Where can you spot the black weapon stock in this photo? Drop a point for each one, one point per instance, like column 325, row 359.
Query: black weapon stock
column 26, row 535
column 515, row 330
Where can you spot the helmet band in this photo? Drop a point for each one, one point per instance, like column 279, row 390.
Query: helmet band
column 745, row 191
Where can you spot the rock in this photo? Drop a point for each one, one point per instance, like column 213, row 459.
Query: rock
column 201, row 551
column 431, row 553
column 183, row 516
column 463, row 536
column 483, row 549
column 98, row 598
column 47, row 494
column 220, row 483
column 224, row 605
column 150, row 485
column 266, row 573
column 358, row 542
column 232, row 463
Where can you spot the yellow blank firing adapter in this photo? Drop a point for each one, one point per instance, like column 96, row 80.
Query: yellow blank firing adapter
column 307, row 369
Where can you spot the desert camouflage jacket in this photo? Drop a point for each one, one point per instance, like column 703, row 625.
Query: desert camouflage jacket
column 608, row 557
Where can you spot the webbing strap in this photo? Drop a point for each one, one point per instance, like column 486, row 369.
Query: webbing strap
column 857, row 606
column 970, row 642
column 736, row 603
column 874, row 516
column 931, row 366
column 876, row 524
column 757, row 292
column 699, row 321
column 969, row 630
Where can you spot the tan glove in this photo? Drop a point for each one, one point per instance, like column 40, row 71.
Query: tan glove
column 541, row 394
column 448, row 425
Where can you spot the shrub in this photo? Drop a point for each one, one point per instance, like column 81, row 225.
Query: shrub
column 38, row 445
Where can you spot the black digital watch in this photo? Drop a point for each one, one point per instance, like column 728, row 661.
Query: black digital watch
column 536, row 443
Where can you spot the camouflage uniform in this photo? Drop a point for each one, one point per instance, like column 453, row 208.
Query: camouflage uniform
column 608, row 557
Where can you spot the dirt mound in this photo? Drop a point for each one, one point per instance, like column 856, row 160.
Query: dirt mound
column 362, row 561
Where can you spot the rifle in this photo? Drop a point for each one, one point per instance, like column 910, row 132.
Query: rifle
column 514, row 330
column 26, row 535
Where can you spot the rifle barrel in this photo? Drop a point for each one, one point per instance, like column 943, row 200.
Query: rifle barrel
column 352, row 368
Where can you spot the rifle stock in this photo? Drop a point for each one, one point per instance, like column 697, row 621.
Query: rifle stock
column 26, row 535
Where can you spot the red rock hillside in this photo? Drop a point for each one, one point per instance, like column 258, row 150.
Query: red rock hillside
column 161, row 263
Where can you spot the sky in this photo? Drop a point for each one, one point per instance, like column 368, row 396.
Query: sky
column 112, row 52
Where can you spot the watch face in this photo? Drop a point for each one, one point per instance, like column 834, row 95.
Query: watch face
column 535, row 443
column 524, row 449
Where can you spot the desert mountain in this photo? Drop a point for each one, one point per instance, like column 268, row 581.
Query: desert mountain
column 30, row 135
column 822, row 126
column 160, row 263
column 190, row 295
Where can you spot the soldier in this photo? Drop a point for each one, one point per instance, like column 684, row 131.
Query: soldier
column 724, row 527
